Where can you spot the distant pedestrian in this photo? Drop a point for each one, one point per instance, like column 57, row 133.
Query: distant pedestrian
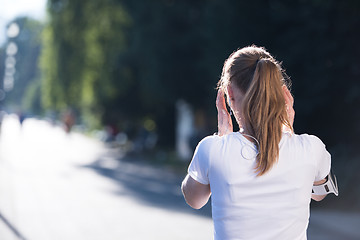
column 22, row 117
column 68, row 120
column 260, row 178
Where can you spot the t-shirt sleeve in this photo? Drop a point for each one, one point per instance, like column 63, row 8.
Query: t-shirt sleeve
column 200, row 163
column 323, row 159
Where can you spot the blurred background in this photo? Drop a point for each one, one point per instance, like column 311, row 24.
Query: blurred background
column 129, row 88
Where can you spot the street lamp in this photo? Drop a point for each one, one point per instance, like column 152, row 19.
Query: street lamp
column 10, row 61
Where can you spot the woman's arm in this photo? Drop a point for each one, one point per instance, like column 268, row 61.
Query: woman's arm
column 289, row 103
column 195, row 193
column 225, row 125
column 318, row 197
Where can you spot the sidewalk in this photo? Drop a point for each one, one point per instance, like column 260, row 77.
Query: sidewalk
column 69, row 187
column 66, row 187
column 334, row 225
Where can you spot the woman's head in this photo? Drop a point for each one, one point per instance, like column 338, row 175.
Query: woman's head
column 253, row 81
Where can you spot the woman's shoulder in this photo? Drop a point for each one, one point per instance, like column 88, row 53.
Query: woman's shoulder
column 308, row 137
column 306, row 140
column 216, row 140
column 211, row 141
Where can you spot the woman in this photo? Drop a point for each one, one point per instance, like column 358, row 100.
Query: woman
column 261, row 177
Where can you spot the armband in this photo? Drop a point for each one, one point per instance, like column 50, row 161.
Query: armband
column 330, row 186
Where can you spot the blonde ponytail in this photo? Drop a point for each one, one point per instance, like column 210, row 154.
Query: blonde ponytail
column 257, row 74
column 265, row 112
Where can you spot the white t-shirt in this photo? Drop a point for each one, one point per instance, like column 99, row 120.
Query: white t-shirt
column 272, row 206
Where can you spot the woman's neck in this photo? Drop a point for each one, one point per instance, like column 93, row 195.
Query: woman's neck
column 247, row 135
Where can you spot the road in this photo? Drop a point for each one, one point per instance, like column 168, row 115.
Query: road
column 57, row 186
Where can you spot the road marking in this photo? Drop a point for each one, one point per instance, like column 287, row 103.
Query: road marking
column 12, row 227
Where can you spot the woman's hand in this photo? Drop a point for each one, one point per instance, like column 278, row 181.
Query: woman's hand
column 225, row 125
column 289, row 102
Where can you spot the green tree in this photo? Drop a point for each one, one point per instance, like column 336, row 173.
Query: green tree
column 82, row 44
column 126, row 61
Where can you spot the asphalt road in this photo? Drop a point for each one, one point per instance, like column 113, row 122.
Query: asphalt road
column 55, row 186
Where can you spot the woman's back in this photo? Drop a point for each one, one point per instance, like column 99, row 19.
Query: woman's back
column 261, row 179
column 272, row 206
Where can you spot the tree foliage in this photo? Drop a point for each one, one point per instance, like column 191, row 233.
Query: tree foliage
column 120, row 62
column 82, row 45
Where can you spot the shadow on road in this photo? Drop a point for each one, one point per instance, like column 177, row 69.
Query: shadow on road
column 159, row 187
column 153, row 185
column 13, row 229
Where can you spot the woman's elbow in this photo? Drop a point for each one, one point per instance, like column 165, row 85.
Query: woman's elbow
column 190, row 200
column 193, row 198
column 194, row 204
column 318, row 198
